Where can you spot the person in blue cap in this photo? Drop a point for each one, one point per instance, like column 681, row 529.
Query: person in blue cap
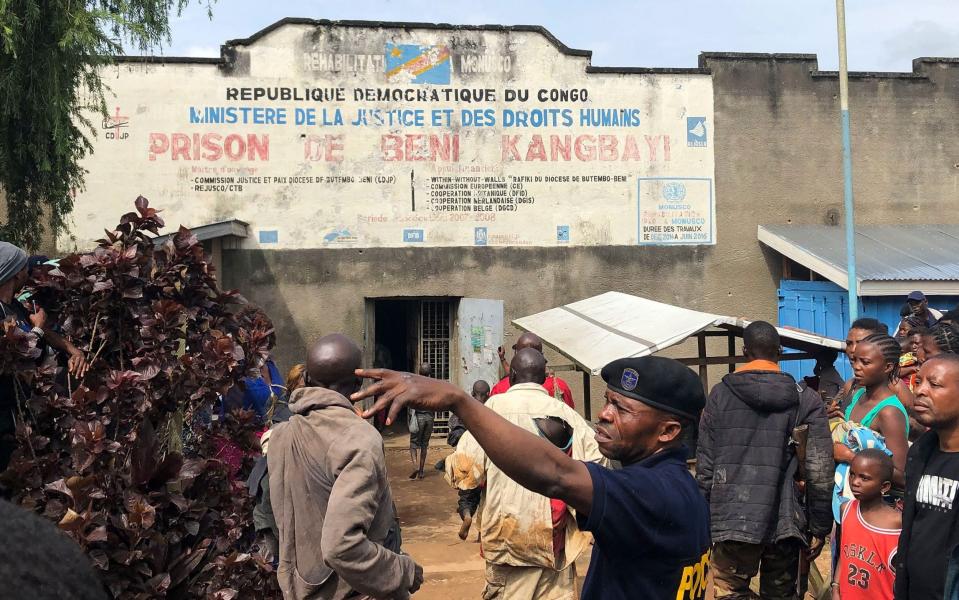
column 919, row 305
column 649, row 520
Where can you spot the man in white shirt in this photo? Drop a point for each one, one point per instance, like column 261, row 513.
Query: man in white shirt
column 516, row 525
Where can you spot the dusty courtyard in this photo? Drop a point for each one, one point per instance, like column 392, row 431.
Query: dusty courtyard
column 427, row 509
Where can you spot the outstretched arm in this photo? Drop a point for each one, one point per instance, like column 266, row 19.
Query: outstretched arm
column 551, row 473
column 76, row 363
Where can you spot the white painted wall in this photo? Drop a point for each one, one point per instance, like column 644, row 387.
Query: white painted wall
column 383, row 185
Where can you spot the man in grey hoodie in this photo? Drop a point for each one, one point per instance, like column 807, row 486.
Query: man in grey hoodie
column 339, row 534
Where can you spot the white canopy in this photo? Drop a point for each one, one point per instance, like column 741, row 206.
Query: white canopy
column 598, row 330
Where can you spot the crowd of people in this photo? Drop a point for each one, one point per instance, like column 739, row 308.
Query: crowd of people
column 868, row 466
column 782, row 467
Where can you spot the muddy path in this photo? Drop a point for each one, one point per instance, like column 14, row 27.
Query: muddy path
column 427, row 509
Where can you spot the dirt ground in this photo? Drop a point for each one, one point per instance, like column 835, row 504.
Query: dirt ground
column 427, row 509
column 453, row 569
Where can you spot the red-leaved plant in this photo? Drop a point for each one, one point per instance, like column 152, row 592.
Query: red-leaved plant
column 124, row 459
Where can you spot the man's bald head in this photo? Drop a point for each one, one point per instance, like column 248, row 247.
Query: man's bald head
column 332, row 362
column 481, row 390
column 529, row 340
column 528, row 366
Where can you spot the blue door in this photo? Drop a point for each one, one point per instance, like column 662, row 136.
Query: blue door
column 817, row 306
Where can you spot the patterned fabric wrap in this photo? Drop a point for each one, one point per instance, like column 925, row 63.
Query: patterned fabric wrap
column 858, row 438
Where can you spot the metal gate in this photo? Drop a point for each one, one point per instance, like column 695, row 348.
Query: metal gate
column 435, row 349
column 435, row 336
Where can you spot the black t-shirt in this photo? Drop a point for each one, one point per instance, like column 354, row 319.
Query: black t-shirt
column 651, row 526
column 932, row 527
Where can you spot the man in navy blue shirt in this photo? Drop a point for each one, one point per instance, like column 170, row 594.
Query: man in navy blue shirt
column 650, row 522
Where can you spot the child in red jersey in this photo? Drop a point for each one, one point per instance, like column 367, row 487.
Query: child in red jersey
column 869, row 533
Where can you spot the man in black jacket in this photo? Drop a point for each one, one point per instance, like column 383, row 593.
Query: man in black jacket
column 930, row 517
column 746, row 468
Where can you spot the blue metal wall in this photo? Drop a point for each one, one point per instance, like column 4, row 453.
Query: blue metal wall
column 822, row 307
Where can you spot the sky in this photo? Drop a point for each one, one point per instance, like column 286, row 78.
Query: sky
column 883, row 35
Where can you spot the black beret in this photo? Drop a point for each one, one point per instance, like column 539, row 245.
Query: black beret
column 660, row 382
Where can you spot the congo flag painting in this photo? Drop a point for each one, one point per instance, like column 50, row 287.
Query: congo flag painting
column 412, row 63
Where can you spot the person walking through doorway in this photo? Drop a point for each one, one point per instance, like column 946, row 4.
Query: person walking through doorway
column 421, row 428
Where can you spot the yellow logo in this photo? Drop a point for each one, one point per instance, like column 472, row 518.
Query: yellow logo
column 692, row 585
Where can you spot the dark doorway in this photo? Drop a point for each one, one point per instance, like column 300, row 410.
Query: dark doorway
column 396, row 335
column 406, row 333
column 396, row 339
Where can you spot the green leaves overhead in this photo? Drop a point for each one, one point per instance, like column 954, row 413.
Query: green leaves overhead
column 51, row 54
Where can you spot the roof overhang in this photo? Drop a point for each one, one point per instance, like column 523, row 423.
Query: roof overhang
column 232, row 228
column 595, row 331
column 905, row 286
column 795, row 252
column 835, row 271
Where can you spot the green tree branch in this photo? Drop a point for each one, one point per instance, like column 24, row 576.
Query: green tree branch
column 51, row 56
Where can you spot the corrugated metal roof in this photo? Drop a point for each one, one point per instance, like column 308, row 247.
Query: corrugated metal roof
column 883, row 252
column 598, row 330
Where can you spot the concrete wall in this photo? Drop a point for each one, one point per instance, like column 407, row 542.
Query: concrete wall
column 309, row 293
column 777, row 161
column 778, row 157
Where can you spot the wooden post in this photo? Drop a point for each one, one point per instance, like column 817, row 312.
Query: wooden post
column 703, row 369
column 787, row 268
column 587, row 411
column 731, row 346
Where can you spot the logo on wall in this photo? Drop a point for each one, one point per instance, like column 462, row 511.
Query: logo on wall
column 562, row 234
column 479, row 236
column 696, row 132
column 413, row 235
column 114, row 125
column 339, row 236
column 674, row 191
column 412, row 63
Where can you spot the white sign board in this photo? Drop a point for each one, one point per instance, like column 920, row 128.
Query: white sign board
column 353, row 136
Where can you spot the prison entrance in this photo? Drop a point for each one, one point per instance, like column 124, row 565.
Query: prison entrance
column 458, row 337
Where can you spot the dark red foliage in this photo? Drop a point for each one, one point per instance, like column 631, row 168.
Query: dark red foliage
column 122, row 460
